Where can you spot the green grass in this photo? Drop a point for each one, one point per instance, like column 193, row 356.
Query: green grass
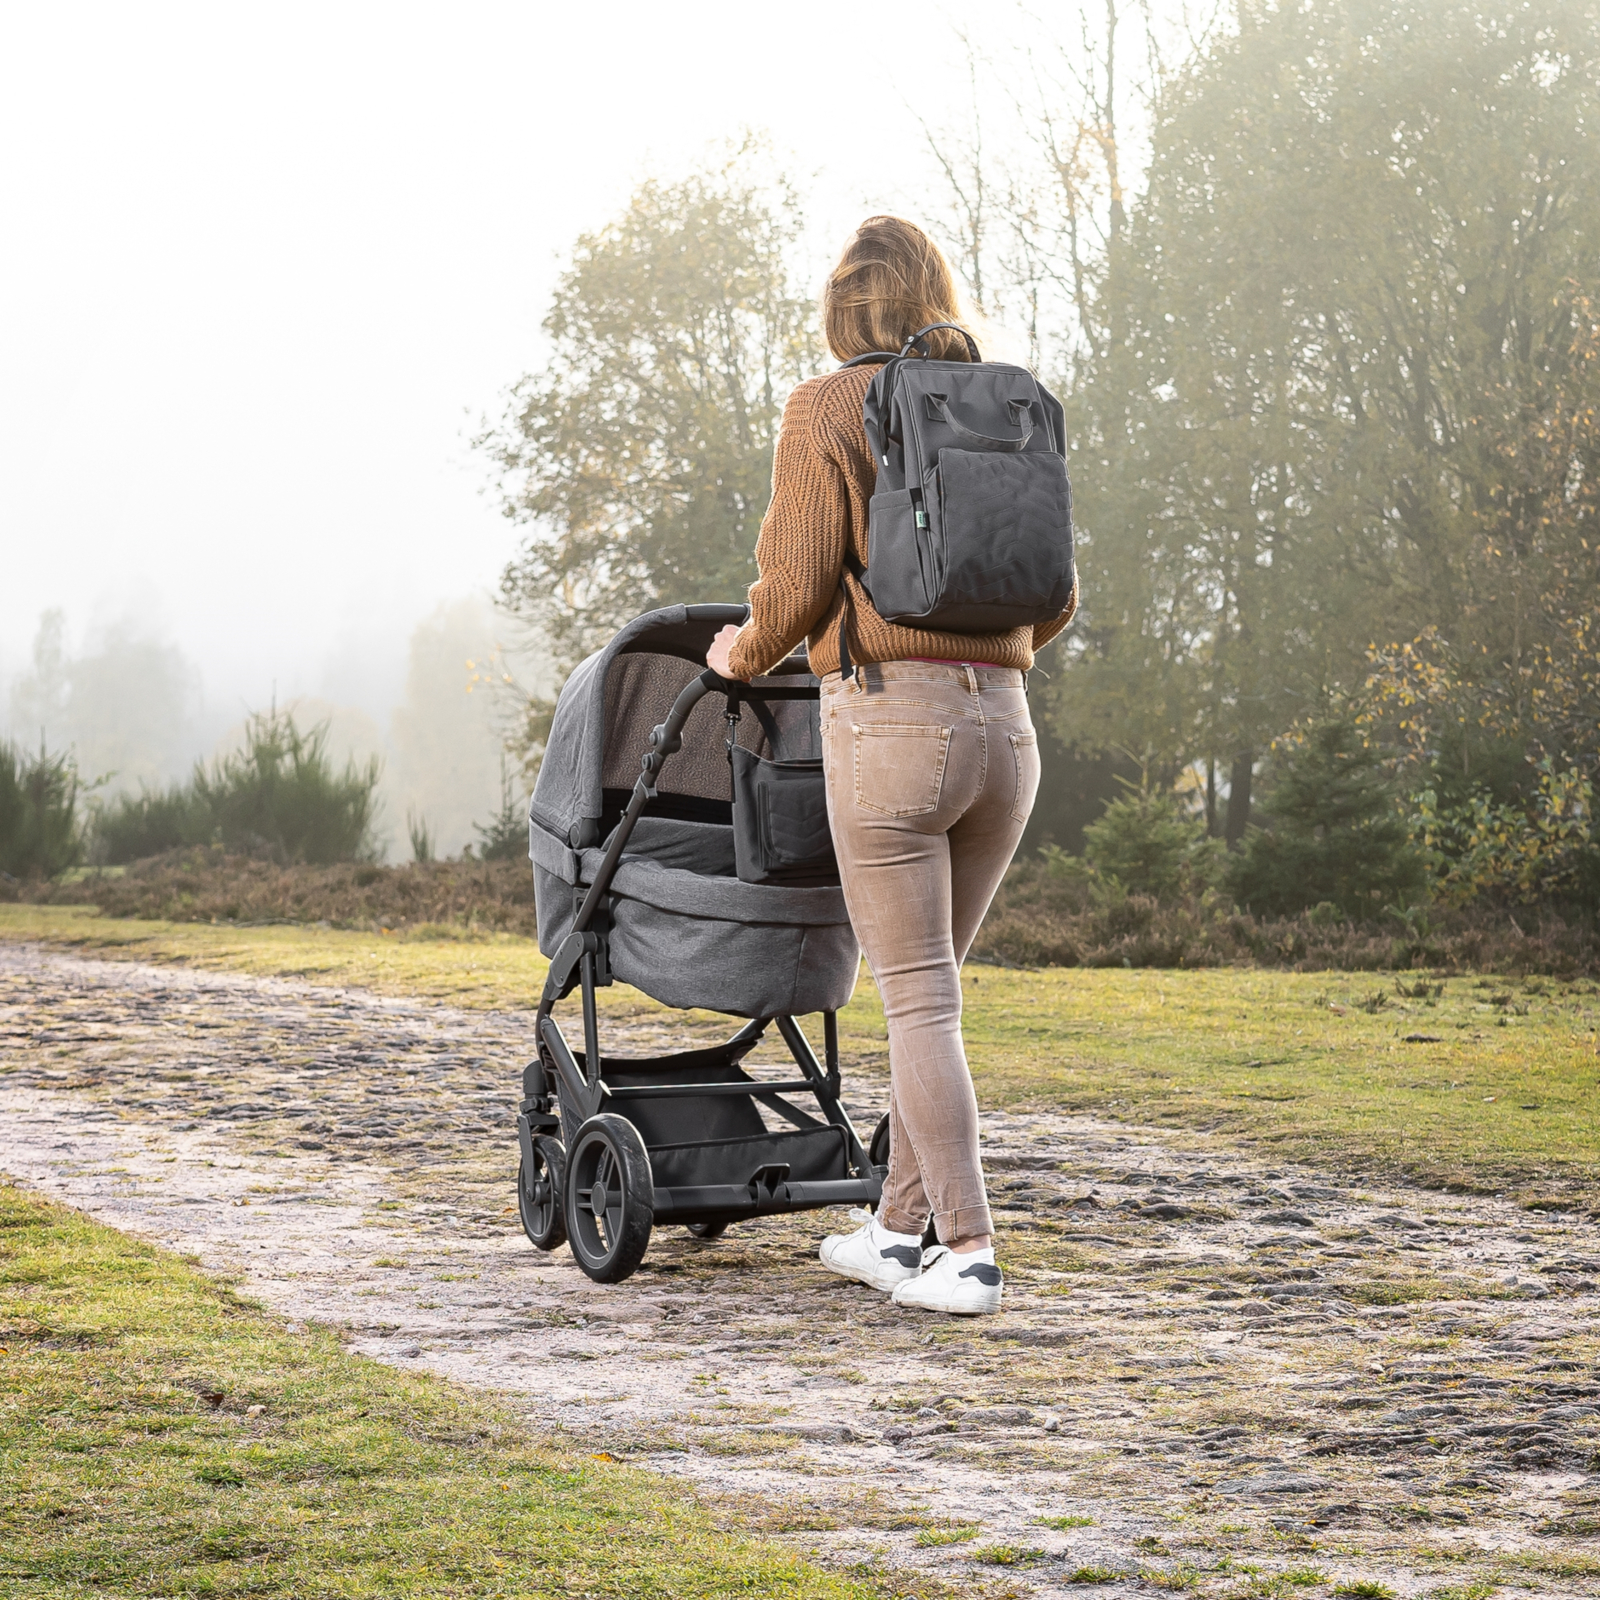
column 1008, row 1555
column 1315, row 1064
column 493, row 970
column 160, row 1437
column 931, row 1538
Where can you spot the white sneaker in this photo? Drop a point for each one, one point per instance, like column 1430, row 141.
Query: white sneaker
column 873, row 1254
column 964, row 1285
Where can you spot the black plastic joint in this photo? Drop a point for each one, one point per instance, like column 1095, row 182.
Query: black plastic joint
column 563, row 973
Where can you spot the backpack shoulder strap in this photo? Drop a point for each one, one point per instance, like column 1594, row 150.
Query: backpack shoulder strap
column 847, row 668
column 876, row 406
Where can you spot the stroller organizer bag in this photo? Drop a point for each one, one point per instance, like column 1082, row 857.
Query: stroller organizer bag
column 679, row 838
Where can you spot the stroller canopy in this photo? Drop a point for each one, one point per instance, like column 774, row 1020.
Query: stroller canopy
column 683, row 927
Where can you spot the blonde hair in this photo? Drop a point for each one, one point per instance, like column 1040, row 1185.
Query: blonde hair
column 891, row 280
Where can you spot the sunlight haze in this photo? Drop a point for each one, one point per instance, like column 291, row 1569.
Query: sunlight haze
column 270, row 267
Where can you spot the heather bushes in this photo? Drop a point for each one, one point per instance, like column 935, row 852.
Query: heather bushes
column 1051, row 912
column 208, row 885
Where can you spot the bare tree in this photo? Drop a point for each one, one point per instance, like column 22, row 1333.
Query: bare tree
column 962, row 160
column 1033, row 244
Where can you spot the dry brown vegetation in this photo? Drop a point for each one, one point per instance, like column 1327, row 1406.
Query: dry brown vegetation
column 1039, row 918
column 1042, row 919
column 207, row 885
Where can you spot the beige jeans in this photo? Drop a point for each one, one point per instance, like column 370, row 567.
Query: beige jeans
column 932, row 771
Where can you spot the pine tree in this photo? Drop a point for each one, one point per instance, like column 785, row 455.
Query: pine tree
column 1335, row 834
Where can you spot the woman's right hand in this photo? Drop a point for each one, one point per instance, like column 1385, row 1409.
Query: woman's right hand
column 721, row 647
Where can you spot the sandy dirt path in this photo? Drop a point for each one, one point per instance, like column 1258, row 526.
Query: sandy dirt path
column 1209, row 1361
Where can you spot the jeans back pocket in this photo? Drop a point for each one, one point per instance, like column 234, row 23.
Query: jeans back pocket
column 900, row 767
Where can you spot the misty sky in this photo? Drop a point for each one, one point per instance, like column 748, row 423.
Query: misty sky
column 266, row 266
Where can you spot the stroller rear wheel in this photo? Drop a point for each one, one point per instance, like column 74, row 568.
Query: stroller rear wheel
column 706, row 1230
column 539, row 1194
column 610, row 1198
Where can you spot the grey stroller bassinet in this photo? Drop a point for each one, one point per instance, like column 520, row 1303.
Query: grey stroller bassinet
column 632, row 833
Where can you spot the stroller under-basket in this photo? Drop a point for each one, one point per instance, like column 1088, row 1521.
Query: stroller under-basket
column 637, row 877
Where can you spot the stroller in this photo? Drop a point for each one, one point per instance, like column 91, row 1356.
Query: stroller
column 704, row 876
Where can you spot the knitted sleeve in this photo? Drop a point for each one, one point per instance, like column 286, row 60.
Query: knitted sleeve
column 800, row 550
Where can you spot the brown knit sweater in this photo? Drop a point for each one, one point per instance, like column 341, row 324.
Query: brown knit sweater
column 822, row 478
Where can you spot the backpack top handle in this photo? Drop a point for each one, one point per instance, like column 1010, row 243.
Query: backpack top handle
column 920, row 336
column 1020, row 412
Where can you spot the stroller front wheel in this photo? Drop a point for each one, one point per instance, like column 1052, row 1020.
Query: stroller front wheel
column 539, row 1194
column 610, row 1198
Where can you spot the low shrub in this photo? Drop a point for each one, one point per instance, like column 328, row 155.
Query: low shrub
column 1146, row 843
column 150, row 823
column 39, row 832
column 279, row 796
column 505, row 836
column 1540, row 848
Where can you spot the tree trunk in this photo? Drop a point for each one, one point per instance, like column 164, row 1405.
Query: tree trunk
column 1211, row 797
column 1239, row 797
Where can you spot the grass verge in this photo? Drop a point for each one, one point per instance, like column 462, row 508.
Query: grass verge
column 158, row 1436
column 489, row 970
column 1479, row 1082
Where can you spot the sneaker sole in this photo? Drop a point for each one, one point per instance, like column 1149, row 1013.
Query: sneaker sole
column 950, row 1311
column 856, row 1277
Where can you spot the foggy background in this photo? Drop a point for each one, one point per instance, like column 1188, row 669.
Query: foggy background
column 267, row 269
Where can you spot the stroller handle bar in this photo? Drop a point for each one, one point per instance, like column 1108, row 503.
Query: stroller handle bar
column 666, row 739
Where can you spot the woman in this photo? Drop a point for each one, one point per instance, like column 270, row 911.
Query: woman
column 931, row 766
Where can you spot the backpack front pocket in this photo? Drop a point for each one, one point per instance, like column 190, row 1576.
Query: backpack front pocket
column 1004, row 539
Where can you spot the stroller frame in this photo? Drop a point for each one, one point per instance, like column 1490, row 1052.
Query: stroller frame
column 586, row 1174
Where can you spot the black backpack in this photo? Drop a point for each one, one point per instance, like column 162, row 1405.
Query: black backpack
column 970, row 527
